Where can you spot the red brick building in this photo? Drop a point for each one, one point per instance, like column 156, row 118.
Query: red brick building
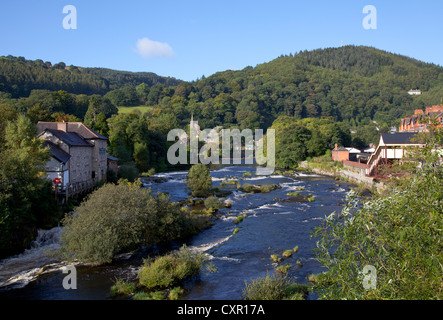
column 417, row 122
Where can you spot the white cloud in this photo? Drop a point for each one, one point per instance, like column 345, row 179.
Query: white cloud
column 153, row 49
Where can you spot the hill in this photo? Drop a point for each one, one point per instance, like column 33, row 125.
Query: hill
column 19, row 77
column 355, row 84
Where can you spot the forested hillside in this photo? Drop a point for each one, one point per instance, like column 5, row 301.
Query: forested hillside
column 351, row 84
column 354, row 92
column 19, row 77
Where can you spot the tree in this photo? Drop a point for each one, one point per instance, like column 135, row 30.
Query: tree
column 397, row 233
column 120, row 218
column 199, row 180
column 26, row 200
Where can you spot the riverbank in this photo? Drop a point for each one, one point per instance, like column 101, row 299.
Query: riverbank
column 343, row 172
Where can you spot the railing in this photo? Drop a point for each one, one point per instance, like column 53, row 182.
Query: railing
column 73, row 189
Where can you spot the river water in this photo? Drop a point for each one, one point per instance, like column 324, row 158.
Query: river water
column 272, row 225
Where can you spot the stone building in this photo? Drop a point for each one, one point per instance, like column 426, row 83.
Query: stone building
column 79, row 154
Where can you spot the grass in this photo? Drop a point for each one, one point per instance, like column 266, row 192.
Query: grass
column 236, row 230
column 170, row 269
column 275, row 258
column 283, row 269
column 275, row 287
column 287, row 253
column 240, row 218
column 122, row 287
column 142, row 109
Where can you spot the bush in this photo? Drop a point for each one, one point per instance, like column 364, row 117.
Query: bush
column 287, row 253
column 240, row 218
column 199, row 180
column 275, row 287
column 399, row 233
column 120, row 218
column 122, row 287
column 128, row 171
column 213, row 203
column 170, row 269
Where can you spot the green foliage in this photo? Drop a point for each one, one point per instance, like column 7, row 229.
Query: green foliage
column 213, row 202
column 240, row 218
column 26, row 200
column 398, row 232
column 275, row 287
column 287, row 253
column 296, row 140
column 175, row 293
column 122, row 287
column 199, row 180
column 171, row 269
column 249, row 188
column 119, row 218
column 21, row 76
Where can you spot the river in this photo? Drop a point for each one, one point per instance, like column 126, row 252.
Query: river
column 272, row 224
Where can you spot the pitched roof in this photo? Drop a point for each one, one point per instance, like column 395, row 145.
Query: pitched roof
column 78, row 127
column 70, row 138
column 399, row 138
column 56, row 152
column 112, row 158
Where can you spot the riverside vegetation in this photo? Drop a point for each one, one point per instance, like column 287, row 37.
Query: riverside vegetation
column 398, row 232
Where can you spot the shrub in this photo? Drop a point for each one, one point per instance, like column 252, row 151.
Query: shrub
column 292, row 194
column 275, row 258
column 142, row 296
column 240, row 218
column 175, row 293
column 275, row 287
column 213, row 202
column 199, row 180
column 170, row 269
column 128, row 171
column 283, row 269
column 236, row 230
column 287, row 253
column 122, row 287
column 120, row 218
column 399, row 233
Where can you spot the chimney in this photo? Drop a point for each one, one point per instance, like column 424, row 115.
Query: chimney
column 62, row 126
column 336, row 146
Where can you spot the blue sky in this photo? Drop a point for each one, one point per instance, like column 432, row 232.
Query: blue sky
column 188, row 39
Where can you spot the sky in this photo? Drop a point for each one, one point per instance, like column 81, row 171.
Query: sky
column 192, row 38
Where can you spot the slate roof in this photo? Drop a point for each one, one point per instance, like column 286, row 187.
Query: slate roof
column 112, row 158
column 56, row 152
column 399, row 138
column 72, row 139
column 77, row 127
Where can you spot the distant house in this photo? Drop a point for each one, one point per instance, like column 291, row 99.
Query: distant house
column 340, row 154
column 344, row 154
column 79, row 154
column 391, row 148
column 414, row 92
column 416, row 123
